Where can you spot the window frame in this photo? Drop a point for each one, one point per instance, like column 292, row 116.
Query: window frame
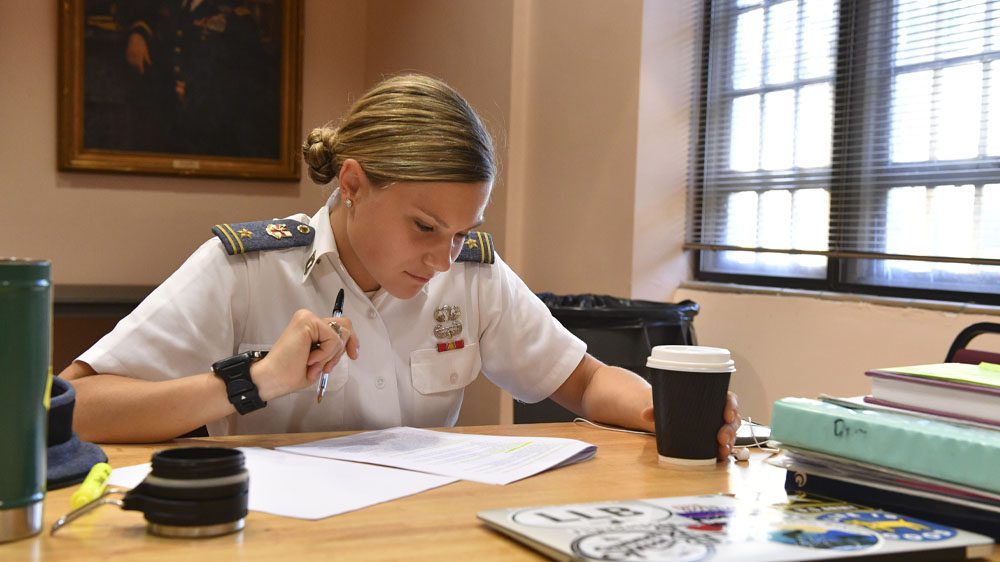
column 850, row 142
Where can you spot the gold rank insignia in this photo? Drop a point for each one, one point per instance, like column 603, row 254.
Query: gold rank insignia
column 278, row 231
column 478, row 248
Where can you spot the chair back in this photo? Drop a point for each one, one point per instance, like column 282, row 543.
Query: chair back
column 959, row 352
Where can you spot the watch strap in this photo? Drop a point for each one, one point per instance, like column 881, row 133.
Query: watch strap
column 235, row 372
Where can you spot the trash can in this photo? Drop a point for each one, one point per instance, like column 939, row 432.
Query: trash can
column 619, row 332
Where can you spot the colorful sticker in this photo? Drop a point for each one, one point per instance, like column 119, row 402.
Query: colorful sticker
column 591, row 515
column 813, row 505
column 824, row 538
column 711, row 518
column 645, row 543
column 892, row 526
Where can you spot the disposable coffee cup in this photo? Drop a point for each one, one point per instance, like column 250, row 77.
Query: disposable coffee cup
column 690, row 385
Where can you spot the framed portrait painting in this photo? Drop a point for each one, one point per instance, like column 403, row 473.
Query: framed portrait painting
column 181, row 87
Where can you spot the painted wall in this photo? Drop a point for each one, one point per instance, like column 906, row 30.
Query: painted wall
column 577, row 71
column 658, row 260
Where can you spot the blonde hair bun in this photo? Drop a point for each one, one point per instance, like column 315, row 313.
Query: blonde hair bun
column 318, row 152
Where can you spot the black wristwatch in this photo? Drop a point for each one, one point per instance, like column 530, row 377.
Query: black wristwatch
column 235, row 372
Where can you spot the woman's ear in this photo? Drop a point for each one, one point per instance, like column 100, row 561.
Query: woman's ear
column 352, row 179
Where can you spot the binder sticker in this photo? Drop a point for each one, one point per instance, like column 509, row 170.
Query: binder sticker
column 647, row 543
column 823, row 538
column 592, row 515
column 892, row 526
column 813, row 505
column 712, row 518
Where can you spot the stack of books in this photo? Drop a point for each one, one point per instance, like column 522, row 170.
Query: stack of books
column 925, row 443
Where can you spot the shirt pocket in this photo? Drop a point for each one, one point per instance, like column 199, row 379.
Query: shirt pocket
column 433, row 372
column 338, row 376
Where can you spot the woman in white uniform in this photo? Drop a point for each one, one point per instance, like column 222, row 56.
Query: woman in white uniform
column 428, row 304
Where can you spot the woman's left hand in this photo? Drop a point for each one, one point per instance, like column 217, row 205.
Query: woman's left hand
column 727, row 433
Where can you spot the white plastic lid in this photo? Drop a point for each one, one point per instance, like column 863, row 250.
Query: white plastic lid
column 691, row 358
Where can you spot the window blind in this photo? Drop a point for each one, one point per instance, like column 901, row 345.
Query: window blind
column 852, row 129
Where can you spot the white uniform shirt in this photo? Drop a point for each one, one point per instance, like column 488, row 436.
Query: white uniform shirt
column 216, row 305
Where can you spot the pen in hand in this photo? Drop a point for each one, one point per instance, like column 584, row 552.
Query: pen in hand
column 338, row 311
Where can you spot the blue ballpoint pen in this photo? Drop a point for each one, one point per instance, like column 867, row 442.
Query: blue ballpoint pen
column 338, row 311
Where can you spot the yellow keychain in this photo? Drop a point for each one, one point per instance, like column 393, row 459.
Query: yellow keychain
column 92, row 494
column 93, row 486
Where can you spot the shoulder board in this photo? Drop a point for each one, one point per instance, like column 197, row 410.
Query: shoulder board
column 243, row 237
column 477, row 248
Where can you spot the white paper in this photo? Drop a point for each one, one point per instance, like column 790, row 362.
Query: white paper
column 491, row 459
column 308, row 487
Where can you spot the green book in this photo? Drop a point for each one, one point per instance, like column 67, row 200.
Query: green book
column 956, row 390
column 983, row 374
column 956, row 453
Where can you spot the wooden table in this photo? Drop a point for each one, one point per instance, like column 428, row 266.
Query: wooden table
column 438, row 524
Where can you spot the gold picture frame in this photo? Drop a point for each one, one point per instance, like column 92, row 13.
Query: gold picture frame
column 200, row 88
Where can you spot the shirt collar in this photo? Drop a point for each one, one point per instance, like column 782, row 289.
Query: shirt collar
column 323, row 241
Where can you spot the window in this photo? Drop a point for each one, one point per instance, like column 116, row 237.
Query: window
column 850, row 145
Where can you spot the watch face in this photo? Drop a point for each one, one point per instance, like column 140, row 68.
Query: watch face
column 232, row 367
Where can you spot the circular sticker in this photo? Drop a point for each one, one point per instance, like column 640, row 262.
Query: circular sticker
column 892, row 526
column 823, row 538
column 592, row 515
column 663, row 543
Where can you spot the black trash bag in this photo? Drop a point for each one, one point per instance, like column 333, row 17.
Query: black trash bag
column 619, row 332
column 605, row 311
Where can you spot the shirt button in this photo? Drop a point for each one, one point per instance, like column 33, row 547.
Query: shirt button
column 380, row 383
column 454, row 378
column 371, row 313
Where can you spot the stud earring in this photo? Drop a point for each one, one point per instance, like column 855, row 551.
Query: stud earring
column 348, row 203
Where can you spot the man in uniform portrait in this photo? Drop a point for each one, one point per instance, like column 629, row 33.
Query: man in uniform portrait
column 201, row 76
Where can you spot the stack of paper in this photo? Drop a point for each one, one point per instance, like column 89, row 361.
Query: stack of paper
column 490, row 459
column 307, row 481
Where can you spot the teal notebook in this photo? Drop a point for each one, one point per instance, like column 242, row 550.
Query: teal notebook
column 961, row 454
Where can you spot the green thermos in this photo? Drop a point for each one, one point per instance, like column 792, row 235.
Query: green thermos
column 25, row 362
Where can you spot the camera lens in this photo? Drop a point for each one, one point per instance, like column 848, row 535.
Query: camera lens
column 193, row 492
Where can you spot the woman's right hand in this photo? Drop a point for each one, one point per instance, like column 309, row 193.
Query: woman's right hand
column 137, row 53
column 296, row 361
